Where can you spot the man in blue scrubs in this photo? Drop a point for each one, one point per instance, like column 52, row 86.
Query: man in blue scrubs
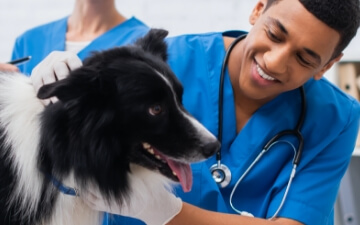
column 292, row 44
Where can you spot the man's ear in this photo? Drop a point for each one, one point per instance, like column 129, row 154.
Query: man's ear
column 321, row 73
column 257, row 11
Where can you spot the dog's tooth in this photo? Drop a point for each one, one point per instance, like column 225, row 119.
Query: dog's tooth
column 146, row 145
column 174, row 173
column 151, row 151
column 158, row 157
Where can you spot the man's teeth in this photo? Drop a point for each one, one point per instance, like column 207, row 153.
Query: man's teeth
column 263, row 74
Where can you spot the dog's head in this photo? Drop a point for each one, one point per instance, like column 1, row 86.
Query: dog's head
column 123, row 106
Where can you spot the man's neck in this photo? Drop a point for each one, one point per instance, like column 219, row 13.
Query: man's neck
column 245, row 107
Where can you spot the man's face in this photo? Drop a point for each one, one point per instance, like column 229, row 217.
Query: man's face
column 286, row 47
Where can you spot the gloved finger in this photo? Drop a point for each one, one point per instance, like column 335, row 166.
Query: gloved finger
column 49, row 77
column 73, row 62
column 61, row 70
column 53, row 99
column 45, row 101
column 37, row 82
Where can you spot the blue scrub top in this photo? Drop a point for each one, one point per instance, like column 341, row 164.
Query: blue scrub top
column 329, row 130
column 42, row 40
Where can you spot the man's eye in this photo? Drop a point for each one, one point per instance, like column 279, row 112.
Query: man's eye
column 303, row 61
column 272, row 36
column 155, row 110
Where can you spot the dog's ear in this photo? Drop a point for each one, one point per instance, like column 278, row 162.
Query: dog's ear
column 60, row 89
column 154, row 43
column 49, row 90
column 77, row 84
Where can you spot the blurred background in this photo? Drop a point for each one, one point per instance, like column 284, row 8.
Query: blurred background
column 186, row 16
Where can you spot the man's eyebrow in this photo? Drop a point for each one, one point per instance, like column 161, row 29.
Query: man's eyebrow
column 279, row 24
column 285, row 31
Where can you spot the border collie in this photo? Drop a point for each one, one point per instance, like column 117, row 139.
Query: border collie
column 118, row 129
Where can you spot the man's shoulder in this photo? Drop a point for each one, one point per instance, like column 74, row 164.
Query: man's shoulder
column 329, row 98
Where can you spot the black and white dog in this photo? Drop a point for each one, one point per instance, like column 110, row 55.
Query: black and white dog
column 119, row 128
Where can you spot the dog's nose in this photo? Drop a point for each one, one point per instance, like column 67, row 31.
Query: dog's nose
column 211, row 148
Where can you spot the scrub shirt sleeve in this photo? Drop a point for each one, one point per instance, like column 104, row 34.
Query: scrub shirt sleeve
column 313, row 193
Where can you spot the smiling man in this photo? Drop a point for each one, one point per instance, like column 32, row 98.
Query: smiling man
column 291, row 45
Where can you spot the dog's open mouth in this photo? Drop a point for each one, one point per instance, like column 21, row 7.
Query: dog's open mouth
column 175, row 170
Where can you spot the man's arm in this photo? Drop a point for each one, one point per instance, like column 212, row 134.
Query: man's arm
column 192, row 215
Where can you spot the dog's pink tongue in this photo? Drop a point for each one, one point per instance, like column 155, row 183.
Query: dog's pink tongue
column 183, row 172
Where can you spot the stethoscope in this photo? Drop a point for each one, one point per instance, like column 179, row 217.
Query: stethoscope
column 222, row 174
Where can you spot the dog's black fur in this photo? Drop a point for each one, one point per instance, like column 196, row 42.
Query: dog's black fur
column 120, row 101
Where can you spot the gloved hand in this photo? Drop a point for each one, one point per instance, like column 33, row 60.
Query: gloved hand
column 55, row 66
column 153, row 205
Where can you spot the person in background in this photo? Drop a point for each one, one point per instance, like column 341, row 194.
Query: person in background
column 93, row 25
column 292, row 44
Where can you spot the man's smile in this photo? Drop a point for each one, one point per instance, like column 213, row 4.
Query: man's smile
column 263, row 74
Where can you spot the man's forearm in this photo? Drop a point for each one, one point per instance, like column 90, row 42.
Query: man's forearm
column 192, row 215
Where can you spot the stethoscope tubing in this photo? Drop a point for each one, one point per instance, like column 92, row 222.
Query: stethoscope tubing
column 222, row 169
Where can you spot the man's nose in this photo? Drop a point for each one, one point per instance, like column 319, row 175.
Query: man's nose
column 276, row 60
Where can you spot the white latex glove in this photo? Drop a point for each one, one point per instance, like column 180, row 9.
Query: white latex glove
column 55, row 66
column 153, row 205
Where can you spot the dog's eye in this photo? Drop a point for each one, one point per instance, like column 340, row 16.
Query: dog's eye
column 155, row 110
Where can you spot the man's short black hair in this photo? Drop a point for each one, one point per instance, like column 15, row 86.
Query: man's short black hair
column 341, row 15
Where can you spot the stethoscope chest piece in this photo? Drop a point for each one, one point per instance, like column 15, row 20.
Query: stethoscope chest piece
column 221, row 174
